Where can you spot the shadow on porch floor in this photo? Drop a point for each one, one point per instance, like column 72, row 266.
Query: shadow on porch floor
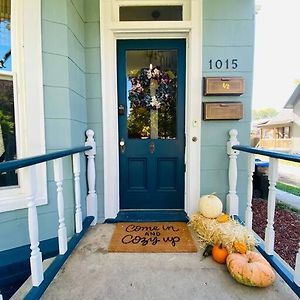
column 93, row 273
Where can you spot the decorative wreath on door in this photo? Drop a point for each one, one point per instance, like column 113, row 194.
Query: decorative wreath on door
column 166, row 84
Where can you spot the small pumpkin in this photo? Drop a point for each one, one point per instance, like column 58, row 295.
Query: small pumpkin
column 219, row 253
column 223, row 218
column 240, row 247
column 250, row 269
column 210, row 206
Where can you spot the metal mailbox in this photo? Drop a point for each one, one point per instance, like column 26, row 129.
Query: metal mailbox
column 224, row 86
column 222, row 110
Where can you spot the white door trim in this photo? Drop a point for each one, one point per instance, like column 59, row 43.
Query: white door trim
column 109, row 33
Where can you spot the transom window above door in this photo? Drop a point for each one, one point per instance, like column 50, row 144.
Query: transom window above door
column 151, row 10
column 151, row 13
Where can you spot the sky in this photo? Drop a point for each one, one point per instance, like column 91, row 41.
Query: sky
column 5, row 44
column 277, row 52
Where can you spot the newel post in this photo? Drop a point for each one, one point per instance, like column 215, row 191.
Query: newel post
column 232, row 199
column 91, row 198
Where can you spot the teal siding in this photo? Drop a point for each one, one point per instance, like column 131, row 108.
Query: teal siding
column 229, row 10
column 93, row 90
column 73, row 101
column 228, row 33
column 65, row 103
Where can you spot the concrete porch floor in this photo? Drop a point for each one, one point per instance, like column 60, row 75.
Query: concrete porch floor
column 93, row 273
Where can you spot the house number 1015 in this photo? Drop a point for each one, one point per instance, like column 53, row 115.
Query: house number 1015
column 227, row 64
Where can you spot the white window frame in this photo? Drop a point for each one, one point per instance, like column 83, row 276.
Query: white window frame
column 26, row 48
column 111, row 29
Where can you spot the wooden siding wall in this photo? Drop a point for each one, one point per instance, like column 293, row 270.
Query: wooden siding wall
column 228, row 33
column 71, row 62
column 93, row 90
column 71, row 67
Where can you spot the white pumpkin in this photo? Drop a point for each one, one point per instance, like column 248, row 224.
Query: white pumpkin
column 210, row 206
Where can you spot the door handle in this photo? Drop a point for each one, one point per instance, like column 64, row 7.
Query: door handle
column 122, row 145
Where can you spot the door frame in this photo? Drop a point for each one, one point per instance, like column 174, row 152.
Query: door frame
column 110, row 32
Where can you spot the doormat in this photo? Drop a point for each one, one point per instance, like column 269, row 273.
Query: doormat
column 160, row 237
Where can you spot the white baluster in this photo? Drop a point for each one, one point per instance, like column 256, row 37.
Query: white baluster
column 270, row 233
column 232, row 199
column 78, row 212
column 62, row 230
column 297, row 268
column 91, row 199
column 249, row 213
column 36, row 263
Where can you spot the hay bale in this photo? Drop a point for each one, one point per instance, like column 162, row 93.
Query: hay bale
column 212, row 232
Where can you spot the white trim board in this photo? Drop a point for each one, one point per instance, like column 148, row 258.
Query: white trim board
column 109, row 33
column 29, row 104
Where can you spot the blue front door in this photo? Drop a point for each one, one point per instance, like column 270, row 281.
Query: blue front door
column 151, row 96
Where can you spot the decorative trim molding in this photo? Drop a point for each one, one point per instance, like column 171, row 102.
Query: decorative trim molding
column 110, row 31
column 29, row 101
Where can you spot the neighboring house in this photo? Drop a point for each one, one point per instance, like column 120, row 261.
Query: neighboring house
column 282, row 132
column 80, row 64
column 255, row 131
column 275, row 134
column 294, row 104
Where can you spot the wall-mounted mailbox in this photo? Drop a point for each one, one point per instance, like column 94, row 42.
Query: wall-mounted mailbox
column 222, row 110
column 224, row 86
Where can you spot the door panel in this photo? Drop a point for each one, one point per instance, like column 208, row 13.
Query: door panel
column 151, row 92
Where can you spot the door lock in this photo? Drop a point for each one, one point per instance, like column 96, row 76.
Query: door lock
column 151, row 147
column 121, row 110
column 122, row 145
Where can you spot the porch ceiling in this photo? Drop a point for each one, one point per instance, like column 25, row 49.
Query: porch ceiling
column 93, row 273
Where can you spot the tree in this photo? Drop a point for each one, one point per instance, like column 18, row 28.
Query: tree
column 264, row 113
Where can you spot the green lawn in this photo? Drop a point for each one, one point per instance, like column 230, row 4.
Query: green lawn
column 292, row 189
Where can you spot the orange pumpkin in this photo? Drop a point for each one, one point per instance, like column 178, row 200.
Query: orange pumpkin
column 219, row 253
column 250, row 269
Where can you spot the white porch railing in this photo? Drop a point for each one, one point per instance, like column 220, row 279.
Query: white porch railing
column 233, row 149
column 37, row 272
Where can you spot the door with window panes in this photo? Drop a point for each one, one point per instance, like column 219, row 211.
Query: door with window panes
column 151, row 96
column 7, row 115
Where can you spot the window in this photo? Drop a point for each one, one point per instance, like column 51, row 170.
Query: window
column 151, row 13
column 21, row 96
column 7, row 118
